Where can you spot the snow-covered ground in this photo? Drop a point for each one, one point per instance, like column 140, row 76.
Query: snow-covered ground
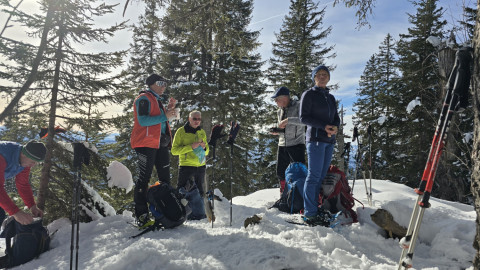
column 445, row 239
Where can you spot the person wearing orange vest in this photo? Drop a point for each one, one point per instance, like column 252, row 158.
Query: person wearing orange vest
column 151, row 139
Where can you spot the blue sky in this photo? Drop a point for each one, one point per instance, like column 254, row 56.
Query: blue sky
column 353, row 46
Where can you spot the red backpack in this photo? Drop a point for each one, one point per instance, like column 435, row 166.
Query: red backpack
column 336, row 194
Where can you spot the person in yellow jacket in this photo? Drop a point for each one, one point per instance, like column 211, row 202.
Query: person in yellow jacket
column 190, row 144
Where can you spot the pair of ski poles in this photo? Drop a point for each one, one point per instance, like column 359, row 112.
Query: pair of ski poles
column 234, row 128
column 457, row 87
column 359, row 161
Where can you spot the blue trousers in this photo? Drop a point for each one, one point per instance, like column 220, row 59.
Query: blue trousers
column 319, row 157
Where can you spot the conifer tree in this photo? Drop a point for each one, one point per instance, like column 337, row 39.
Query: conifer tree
column 375, row 106
column 208, row 55
column 418, row 65
column 144, row 51
column 300, row 47
column 73, row 81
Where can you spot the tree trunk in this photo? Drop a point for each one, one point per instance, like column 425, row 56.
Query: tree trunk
column 47, row 165
column 476, row 139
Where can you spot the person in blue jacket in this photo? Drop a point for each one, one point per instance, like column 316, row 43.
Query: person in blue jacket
column 318, row 111
column 15, row 162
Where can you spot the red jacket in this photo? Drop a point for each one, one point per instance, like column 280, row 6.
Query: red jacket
column 148, row 136
column 23, row 187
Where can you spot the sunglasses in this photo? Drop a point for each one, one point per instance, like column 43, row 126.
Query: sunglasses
column 161, row 83
column 196, row 119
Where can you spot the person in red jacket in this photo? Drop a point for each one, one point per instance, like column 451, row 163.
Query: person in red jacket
column 15, row 162
column 151, row 138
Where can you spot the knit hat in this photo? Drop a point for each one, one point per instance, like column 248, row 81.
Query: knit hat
column 34, row 150
column 153, row 78
column 315, row 70
column 282, row 91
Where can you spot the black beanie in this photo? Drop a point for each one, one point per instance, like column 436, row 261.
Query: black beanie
column 34, row 150
column 153, row 78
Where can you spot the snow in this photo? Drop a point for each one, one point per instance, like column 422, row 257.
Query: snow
column 445, row 240
column 382, row 119
column 93, row 212
column 414, row 103
column 435, row 41
column 119, row 176
column 467, row 137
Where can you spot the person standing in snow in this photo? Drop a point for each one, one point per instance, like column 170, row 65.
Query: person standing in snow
column 190, row 144
column 318, row 110
column 16, row 161
column 291, row 133
column 151, row 138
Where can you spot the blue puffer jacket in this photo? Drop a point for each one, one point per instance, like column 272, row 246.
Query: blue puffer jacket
column 318, row 108
column 11, row 153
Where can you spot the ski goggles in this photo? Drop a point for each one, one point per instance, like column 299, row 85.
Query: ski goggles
column 161, row 83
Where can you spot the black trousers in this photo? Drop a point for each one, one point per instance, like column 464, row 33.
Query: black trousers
column 147, row 158
column 187, row 175
column 2, row 215
column 287, row 155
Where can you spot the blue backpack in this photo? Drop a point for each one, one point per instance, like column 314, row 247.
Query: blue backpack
column 291, row 200
column 24, row 242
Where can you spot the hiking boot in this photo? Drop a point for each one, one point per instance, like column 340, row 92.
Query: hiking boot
column 322, row 218
column 144, row 220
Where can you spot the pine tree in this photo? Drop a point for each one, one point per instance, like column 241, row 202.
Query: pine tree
column 73, row 81
column 208, row 53
column 418, row 66
column 144, row 51
column 300, row 47
column 386, row 132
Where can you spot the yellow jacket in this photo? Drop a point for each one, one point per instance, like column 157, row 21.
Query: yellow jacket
column 182, row 145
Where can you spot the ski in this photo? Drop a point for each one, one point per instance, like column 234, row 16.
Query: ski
column 148, row 224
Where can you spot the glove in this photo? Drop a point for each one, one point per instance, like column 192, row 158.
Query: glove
column 216, row 134
column 233, row 132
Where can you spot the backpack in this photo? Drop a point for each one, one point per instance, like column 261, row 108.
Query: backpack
column 336, row 194
column 166, row 205
column 291, row 200
column 24, row 242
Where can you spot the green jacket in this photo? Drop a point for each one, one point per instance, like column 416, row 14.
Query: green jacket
column 182, row 145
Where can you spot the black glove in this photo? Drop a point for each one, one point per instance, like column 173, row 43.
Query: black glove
column 234, row 127
column 355, row 133
column 216, row 134
column 80, row 155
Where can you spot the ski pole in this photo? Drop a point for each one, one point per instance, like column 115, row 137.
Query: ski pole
column 355, row 136
column 458, row 83
column 74, row 217
column 369, row 131
column 365, row 181
column 366, row 188
column 234, row 127
column 212, row 187
column 80, row 156
column 231, row 185
column 77, row 216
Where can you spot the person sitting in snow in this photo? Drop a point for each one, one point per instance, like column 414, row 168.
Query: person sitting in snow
column 190, row 144
column 151, row 137
column 16, row 161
